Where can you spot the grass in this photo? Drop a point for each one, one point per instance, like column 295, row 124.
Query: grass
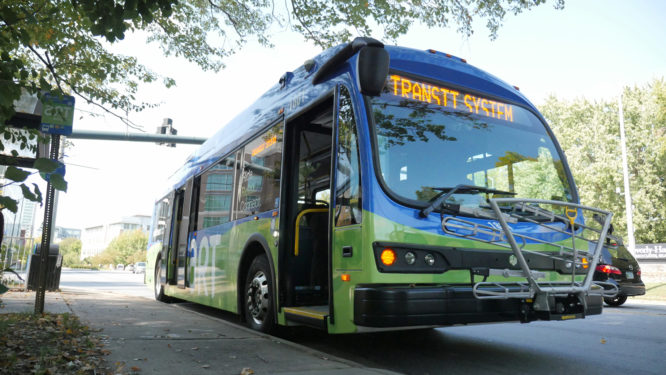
column 48, row 344
column 655, row 292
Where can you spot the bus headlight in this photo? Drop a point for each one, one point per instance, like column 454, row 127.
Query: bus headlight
column 429, row 259
column 410, row 258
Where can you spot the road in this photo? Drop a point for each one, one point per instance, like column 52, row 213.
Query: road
column 122, row 282
column 628, row 339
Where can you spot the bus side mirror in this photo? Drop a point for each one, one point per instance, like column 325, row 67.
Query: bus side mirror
column 373, row 68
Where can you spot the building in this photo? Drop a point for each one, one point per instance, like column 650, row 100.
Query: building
column 61, row 233
column 21, row 223
column 19, row 227
column 97, row 238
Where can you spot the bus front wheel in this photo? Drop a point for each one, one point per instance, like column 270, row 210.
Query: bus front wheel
column 258, row 296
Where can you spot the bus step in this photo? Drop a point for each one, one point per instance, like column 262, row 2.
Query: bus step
column 312, row 316
column 310, row 295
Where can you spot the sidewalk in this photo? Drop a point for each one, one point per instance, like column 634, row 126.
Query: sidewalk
column 22, row 302
column 162, row 338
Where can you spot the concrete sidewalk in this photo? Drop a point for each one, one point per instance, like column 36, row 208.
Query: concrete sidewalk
column 167, row 339
column 24, row 302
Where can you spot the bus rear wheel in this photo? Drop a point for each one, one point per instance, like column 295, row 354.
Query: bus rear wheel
column 158, row 287
column 258, row 296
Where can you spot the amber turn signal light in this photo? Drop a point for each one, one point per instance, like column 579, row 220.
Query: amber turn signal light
column 388, row 257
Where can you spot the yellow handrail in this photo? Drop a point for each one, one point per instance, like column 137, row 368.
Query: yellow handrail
column 298, row 219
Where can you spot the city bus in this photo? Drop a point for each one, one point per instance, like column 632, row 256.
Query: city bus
column 380, row 188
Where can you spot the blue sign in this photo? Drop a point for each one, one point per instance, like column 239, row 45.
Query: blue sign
column 57, row 114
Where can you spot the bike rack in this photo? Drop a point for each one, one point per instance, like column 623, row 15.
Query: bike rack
column 583, row 238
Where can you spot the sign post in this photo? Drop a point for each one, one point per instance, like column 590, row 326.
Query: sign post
column 57, row 119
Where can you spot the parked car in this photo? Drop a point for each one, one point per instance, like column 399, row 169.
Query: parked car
column 130, row 267
column 120, row 267
column 619, row 267
column 140, row 267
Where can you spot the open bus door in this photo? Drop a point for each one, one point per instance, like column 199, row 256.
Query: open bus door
column 178, row 258
column 305, row 281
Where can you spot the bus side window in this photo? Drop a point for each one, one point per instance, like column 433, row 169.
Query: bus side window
column 259, row 182
column 215, row 194
column 161, row 220
column 348, row 174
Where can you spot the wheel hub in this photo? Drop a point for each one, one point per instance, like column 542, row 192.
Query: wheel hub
column 257, row 297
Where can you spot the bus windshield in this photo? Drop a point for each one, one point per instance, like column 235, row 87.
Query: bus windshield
column 431, row 138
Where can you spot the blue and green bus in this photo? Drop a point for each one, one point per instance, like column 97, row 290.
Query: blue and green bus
column 379, row 187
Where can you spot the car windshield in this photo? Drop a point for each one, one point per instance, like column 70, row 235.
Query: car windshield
column 430, row 139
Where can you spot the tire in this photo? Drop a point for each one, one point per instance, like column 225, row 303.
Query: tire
column 616, row 301
column 258, row 296
column 157, row 285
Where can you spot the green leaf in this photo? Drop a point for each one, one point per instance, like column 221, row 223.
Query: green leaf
column 58, row 182
column 37, row 192
column 8, row 203
column 29, row 195
column 16, row 174
column 44, row 165
column 3, row 289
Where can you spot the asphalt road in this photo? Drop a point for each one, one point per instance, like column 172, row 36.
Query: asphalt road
column 122, row 282
column 624, row 340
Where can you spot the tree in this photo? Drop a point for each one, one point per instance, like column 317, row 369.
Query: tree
column 58, row 45
column 70, row 249
column 589, row 134
column 128, row 248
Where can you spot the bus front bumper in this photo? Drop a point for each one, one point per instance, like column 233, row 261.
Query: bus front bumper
column 403, row 306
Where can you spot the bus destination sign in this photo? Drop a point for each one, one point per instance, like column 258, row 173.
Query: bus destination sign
column 449, row 98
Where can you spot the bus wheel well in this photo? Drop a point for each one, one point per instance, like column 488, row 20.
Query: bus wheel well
column 252, row 250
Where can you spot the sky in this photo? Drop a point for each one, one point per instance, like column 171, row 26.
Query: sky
column 590, row 49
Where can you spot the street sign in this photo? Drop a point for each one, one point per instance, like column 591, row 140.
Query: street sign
column 57, row 114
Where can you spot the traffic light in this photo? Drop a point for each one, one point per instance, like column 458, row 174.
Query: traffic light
column 167, row 129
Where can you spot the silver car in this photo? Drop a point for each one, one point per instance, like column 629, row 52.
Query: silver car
column 140, row 267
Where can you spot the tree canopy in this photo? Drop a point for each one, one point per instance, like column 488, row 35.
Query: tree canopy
column 70, row 249
column 128, row 248
column 59, row 44
column 589, row 133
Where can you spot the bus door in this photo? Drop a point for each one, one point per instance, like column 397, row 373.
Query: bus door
column 305, row 266
column 346, row 241
column 180, row 230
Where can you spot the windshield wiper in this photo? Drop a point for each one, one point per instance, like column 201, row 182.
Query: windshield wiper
column 458, row 189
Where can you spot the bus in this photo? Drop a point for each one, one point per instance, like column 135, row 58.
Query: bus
column 380, row 188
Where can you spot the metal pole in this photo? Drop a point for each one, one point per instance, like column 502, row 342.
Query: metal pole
column 135, row 137
column 627, row 191
column 46, row 232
